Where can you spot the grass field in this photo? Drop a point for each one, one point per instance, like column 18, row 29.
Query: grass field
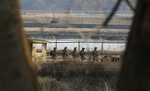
column 78, row 76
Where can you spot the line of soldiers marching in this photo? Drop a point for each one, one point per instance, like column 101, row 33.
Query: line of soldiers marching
column 75, row 54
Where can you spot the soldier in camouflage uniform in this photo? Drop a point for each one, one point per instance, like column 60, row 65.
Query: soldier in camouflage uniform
column 65, row 54
column 82, row 54
column 53, row 53
column 75, row 54
column 95, row 54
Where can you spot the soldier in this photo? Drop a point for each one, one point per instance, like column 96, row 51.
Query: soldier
column 54, row 54
column 95, row 54
column 65, row 54
column 82, row 54
column 75, row 55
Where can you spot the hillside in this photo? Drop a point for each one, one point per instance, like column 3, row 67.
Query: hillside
column 74, row 5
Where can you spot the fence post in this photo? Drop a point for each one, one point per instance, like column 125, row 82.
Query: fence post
column 56, row 43
column 102, row 49
column 125, row 39
column 79, row 46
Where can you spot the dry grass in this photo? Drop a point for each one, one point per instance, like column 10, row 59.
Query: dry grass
column 77, row 76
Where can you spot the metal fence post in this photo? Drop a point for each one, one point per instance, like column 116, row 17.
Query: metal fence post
column 79, row 46
column 102, row 49
column 56, row 43
column 125, row 39
column 78, row 43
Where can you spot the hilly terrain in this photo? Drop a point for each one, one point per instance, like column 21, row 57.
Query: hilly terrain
column 71, row 5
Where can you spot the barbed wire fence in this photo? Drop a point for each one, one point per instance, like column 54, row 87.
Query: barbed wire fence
column 69, row 21
column 82, row 19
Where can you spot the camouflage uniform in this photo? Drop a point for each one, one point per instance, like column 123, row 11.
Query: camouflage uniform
column 65, row 54
column 75, row 55
column 82, row 54
column 95, row 54
column 53, row 53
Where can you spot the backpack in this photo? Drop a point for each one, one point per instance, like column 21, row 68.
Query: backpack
column 51, row 53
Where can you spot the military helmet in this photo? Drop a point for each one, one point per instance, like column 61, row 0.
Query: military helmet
column 75, row 47
column 65, row 48
column 83, row 48
column 95, row 47
column 55, row 48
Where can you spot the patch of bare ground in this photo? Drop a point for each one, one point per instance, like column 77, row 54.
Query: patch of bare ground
column 78, row 76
